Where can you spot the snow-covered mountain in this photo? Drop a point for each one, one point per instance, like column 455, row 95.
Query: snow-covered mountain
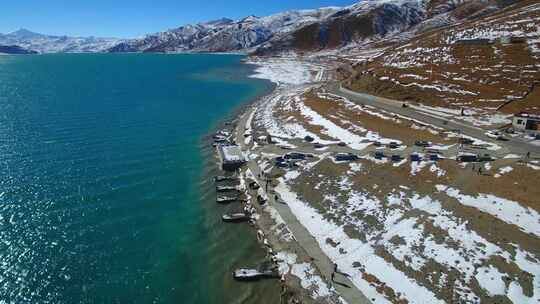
column 375, row 20
column 225, row 35
column 293, row 31
column 365, row 20
column 56, row 44
column 312, row 30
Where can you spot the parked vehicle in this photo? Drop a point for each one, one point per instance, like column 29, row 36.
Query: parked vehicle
column 416, row 158
column 396, row 158
column 433, row 157
column 485, row 158
column 496, row 135
column 309, row 138
column 466, row 141
column 346, row 157
column 379, row 155
column 295, row 156
column 422, row 143
column 393, row 145
column 467, row 158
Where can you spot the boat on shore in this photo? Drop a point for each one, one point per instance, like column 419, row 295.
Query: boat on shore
column 235, row 217
column 226, row 199
column 221, row 178
column 226, row 188
column 246, row 274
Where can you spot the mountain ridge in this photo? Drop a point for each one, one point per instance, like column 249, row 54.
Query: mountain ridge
column 313, row 30
column 294, row 31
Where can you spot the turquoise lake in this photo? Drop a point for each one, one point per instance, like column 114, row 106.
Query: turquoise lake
column 105, row 194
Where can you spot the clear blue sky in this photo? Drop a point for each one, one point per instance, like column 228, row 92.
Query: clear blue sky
column 132, row 18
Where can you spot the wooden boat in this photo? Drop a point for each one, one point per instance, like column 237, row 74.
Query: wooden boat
column 226, row 188
column 235, row 217
column 245, row 274
column 226, row 199
column 220, row 178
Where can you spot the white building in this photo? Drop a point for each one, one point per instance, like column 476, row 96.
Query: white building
column 526, row 122
column 231, row 157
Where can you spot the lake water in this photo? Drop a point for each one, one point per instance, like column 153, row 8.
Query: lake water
column 105, row 194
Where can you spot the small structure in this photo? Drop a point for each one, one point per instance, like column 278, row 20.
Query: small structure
column 526, row 122
column 231, row 157
column 512, row 39
column 474, row 41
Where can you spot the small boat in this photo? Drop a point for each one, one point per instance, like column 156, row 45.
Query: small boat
column 235, row 217
column 245, row 274
column 226, row 199
column 225, row 178
column 226, row 188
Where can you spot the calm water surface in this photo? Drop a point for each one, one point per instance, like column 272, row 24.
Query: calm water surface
column 104, row 196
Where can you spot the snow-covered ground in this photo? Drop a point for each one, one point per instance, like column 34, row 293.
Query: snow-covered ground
column 284, row 71
column 405, row 216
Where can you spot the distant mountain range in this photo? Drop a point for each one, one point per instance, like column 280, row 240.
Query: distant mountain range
column 15, row 49
column 57, row 44
column 292, row 31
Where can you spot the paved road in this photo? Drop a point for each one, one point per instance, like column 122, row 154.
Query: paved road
column 325, row 266
column 514, row 145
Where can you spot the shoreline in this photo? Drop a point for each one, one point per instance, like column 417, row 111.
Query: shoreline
column 318, row 230
column 247, row 250
column 302, row 279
